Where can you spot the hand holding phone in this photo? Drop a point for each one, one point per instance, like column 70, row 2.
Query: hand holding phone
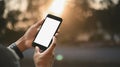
column 45, row 34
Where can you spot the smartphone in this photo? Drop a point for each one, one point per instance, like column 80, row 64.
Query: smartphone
column 48, row 29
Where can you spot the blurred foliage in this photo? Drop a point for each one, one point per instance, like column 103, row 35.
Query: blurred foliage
column 91, row 25
column 82, row 24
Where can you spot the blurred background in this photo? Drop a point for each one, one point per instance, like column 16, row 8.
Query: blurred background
column 89, row 35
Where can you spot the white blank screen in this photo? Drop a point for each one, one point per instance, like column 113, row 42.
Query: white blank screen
column 47, row 31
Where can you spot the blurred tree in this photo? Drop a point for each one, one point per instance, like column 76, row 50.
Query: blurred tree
column 98, row 18
column 13, row 17
column 3, row 22
column 110, row 20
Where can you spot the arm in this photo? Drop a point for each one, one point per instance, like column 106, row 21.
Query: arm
column 25, row 41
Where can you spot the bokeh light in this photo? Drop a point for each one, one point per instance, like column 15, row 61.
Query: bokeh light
column 59, row 57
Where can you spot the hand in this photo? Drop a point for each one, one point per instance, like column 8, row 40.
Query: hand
column 44, row 59
column 26, row 40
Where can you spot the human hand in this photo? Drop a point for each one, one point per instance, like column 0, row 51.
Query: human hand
column 26, row 40
column 45, row 59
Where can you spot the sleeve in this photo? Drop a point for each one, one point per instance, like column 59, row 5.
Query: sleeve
column 15, row 50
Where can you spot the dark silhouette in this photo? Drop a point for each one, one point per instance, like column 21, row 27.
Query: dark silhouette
column 3, row 22
column 7, row 59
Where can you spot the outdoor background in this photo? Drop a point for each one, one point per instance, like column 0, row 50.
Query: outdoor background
column 89, row 35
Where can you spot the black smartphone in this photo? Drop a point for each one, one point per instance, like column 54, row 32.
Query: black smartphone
column 48, row 29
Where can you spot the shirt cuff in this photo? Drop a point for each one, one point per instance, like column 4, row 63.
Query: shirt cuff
column 15, row 50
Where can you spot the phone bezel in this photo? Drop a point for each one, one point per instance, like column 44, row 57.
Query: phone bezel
column 40, row 45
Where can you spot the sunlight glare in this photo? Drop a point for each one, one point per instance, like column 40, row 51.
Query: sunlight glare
column 57, row 7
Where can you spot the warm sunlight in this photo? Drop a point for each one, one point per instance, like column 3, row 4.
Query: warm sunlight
column 57, row 7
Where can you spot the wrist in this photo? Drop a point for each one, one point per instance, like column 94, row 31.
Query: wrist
column 21, row 44
column 16, row 49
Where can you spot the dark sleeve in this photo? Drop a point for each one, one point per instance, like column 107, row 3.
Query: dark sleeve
column 15, row 50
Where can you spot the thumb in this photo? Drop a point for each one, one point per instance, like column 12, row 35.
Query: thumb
column 37, row 50
column 52, row 46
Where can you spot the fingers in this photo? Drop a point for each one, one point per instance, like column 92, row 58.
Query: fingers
column 38, row 23
column 52, row 46
column 58, row 31
column 56, row 35
column 37, row 50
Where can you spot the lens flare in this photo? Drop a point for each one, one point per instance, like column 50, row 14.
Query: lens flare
column 57, row 7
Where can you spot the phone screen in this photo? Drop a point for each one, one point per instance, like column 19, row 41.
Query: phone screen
column 47, row 31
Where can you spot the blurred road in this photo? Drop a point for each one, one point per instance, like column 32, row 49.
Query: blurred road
column 81, row 57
